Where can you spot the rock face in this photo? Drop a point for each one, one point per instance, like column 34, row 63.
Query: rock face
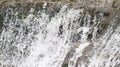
column 108, row 7
column 85, row 3
column 94, row 6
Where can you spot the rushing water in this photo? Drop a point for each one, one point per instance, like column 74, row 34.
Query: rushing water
column 71, row 38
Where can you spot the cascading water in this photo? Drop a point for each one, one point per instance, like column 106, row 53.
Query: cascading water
column 71, row 38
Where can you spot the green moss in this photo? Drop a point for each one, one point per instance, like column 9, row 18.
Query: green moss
column 65, row 65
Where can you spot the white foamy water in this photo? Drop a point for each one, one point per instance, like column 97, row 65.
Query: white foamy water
column 69, row 38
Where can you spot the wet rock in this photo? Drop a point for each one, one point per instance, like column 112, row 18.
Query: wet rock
column 76, row 37
column 65, row 65
column 60, row 30
column 117, row 65
column 89, row 36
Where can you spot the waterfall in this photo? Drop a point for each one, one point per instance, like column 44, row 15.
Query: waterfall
column 70, row 38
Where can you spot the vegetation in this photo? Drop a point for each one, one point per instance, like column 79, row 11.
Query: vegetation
column 65, row 65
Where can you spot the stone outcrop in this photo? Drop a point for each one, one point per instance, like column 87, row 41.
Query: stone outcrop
column 93, row 6
column 109, row 8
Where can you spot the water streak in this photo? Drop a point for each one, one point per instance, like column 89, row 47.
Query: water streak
column 69, row 38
